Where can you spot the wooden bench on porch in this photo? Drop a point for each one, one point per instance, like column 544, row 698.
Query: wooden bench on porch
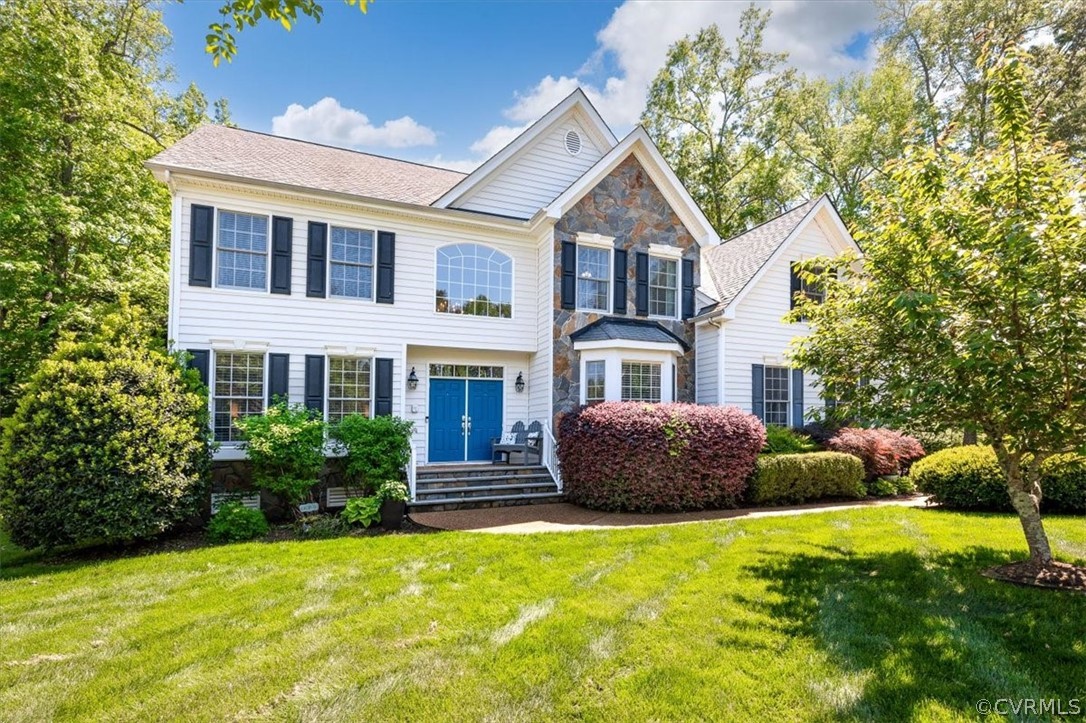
column 526, row 441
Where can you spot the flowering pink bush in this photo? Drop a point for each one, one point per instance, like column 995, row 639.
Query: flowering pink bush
column 643, row 457
column 883, row 451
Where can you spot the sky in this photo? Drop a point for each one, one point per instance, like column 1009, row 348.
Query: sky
column 450, row 83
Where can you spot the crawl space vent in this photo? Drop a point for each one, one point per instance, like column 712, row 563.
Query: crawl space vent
column 573, row 142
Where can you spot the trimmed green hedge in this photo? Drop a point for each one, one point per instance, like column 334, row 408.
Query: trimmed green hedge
column 794, row 478
column 969, row 478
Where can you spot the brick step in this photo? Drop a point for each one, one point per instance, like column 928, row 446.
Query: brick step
column 453, row 503
column 505, row 479
column 487, row 490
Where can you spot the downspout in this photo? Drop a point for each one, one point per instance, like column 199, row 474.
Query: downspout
column 720, row 376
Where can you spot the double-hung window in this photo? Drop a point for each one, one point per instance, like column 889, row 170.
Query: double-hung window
column 595, row 378
column 349, row 387
column 593, row 278
column 242, row 251
column 238, row 391
column 776, row 396
column 640, row 382
column 663, row 287
column 351, row 263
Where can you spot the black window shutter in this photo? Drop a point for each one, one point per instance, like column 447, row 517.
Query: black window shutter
column 282, row 241
column 688, row 288
column 316, row 260
column 386, row 267
column 797, row 397
column 382, row 398
column 620, row 281
column 278, row 377
column 201, row 234
column 757, row 391
column 796, row 288
column 641, row 293
column 314, row 382
column 200, row 360
column 569, row 275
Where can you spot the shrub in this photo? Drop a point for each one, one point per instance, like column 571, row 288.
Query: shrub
column 782, row 440
column 883, row 451
column 320, row 527
column 1063, row 483
column 234, row 522
column 967, row 478
column 795, row 478
column 935, row 441
column 376, row 449
column 393, row 489
column 882, row 486
column 904, row 485
column 286, row 449
column 642, row 457
column 363, row 511
column 109, row 442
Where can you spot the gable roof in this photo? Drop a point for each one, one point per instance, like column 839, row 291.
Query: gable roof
column 737, row 263
column 613, row 328
column 576, row 102
column 223, row 151
column 639, row 144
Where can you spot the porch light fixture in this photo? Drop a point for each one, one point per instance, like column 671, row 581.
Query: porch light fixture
column 519, row 383
column 412, row 380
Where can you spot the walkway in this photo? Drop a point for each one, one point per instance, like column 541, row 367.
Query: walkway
column 564, row 517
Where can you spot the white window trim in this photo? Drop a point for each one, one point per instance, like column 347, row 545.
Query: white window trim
column 594, row 239
column 512, row 285
column 373, row 266
column 663, row 378
column 585, row 361
column 788, row 384
column 610, row 296
column 328, row 380
column 663, row 250
column 216, row 255
column 678, row 283
column 235, row 445
column 663, row 354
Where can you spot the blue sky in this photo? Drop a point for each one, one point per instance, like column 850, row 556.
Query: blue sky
column 451, row 82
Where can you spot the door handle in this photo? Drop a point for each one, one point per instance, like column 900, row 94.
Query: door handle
column 469, row 425
column 463, row 424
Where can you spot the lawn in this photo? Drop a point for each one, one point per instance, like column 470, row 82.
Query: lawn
column 877, row 613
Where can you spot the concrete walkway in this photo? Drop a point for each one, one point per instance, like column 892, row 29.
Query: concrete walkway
column 564, row 517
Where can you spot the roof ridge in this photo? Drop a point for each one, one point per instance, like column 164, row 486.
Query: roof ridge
column 275, row 136
column 778, row 217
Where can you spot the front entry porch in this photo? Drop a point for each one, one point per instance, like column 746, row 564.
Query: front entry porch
column 465, row 486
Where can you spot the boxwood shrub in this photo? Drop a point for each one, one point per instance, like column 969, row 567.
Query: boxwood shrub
column 643, row 457
column 969, row 478
column 781, row 479
column 234, row 522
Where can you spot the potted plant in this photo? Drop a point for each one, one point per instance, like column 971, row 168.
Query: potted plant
column 393, row 495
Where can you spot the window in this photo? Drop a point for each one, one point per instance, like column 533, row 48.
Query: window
column 595, row 375
column 776, row 396
column 352, row 263
column 593, row 278
column 238, row 392
column 812, row 290
column 663, row 287
column 348, row 387
column 640, row 382
column 474, row 280
column 242, row 250
column 468, row 371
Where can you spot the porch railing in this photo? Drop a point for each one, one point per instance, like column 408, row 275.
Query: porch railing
column 550, row 455
column 412, row 469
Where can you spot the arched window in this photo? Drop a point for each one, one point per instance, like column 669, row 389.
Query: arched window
column 475, row 280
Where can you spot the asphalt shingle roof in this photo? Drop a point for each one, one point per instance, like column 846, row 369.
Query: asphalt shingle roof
column 734, row 262
column 616, row 328
column 261, row 157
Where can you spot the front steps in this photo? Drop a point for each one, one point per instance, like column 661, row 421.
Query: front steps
column 473, row 486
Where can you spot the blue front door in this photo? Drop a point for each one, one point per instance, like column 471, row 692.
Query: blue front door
column 448, row 407
column 464, row 416
column 485, row 413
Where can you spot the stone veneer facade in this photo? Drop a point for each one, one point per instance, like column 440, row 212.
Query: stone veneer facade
column 628, row 206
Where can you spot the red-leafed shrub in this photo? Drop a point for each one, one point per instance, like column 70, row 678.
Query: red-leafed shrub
column 643, row 457
column 883, row 451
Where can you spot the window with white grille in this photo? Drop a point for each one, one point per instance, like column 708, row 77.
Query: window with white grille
column 351, row 263
column 640, row 382
column 349, row 388
column 663, row 287
column 776, row 396
column 242, row 253
column 238, row 391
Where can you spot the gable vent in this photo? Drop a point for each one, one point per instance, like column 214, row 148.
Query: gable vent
column 573, row 142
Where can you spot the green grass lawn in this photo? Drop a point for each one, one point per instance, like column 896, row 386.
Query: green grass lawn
column 877, row 613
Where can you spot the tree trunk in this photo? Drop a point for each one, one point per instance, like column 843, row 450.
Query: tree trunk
column 1026, row 499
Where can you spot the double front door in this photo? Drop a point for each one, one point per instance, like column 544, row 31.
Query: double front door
column 465, row 414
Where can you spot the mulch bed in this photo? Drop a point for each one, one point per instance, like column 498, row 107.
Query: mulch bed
column 1055, row 575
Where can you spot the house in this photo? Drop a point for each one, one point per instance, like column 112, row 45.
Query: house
column 569, row 268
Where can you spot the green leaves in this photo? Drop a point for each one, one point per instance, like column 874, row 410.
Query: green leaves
column 239, row 14
column 286, row 449
column 377, row 448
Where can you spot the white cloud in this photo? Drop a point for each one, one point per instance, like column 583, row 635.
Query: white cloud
column 498, row 138
column 326, row 121
column 465, row 166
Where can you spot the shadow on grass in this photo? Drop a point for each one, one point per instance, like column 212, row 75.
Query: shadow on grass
column 916, row 635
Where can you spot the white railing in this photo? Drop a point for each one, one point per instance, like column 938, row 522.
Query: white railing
column 412, row 467
column 550, row 455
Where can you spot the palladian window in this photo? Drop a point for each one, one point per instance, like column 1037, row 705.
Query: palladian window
column 474, row 280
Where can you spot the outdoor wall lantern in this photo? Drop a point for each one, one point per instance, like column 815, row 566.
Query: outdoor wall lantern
column 519, row 383
column 412, row 380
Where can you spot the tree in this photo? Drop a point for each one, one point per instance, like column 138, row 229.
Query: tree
column 970, row 305
column 239, row 14
column 82, row 222
column 1061, row 84
column 712, row 109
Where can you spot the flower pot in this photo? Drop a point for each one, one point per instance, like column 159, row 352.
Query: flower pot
column 392, row 512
